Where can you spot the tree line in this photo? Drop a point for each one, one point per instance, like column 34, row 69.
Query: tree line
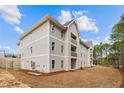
column 112, row 54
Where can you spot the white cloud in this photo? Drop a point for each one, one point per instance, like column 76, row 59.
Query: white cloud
column 6, row 48
column 107, row 39
column 95, row 42
column 79, row 13
column 19, row 30
column 84, row 22
column 65, row 16
column 98, row 37
column 84, row 39
column 10, row 14
column 98, row 40
column 87, row 24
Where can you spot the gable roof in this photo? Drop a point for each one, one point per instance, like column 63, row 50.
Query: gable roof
column 63, row 27
column 89, row 43
column 83, row 43
column 43, row 20
column 67, row 24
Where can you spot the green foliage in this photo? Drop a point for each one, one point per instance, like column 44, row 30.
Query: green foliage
column 112, row 54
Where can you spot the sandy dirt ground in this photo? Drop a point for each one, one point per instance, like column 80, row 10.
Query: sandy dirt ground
column 8, row 80
column 94, row 77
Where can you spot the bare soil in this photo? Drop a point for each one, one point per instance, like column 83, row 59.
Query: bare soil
column 95, row 77
column 8, row 80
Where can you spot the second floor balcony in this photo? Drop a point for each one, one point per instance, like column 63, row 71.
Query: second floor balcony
column 74, row 54
column 74, row 41
column 73, row 38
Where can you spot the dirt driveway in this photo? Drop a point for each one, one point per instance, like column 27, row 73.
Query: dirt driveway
column 89, row 77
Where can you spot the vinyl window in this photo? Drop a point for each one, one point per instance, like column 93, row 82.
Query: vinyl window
column 61, row 63
column 53, row 46
column 62, row 49
column 53, row 64
column 31, row 50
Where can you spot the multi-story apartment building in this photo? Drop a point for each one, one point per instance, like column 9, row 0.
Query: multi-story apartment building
column 50, row 46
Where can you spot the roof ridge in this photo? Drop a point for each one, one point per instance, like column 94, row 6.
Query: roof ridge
column 67, row 23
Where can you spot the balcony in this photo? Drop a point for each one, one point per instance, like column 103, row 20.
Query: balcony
column 73, row 38
column 74, row 41
column 74, row 54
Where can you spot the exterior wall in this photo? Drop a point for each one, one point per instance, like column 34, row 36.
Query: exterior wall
column 58, row 44
column 72, row 29
column 91, row 55
column 81, row 53
column 88, row 58
column 38, row 40
column 56, row 54
column 84, row 56
column 41, row 63
column 42, row 54
column 58, row 60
